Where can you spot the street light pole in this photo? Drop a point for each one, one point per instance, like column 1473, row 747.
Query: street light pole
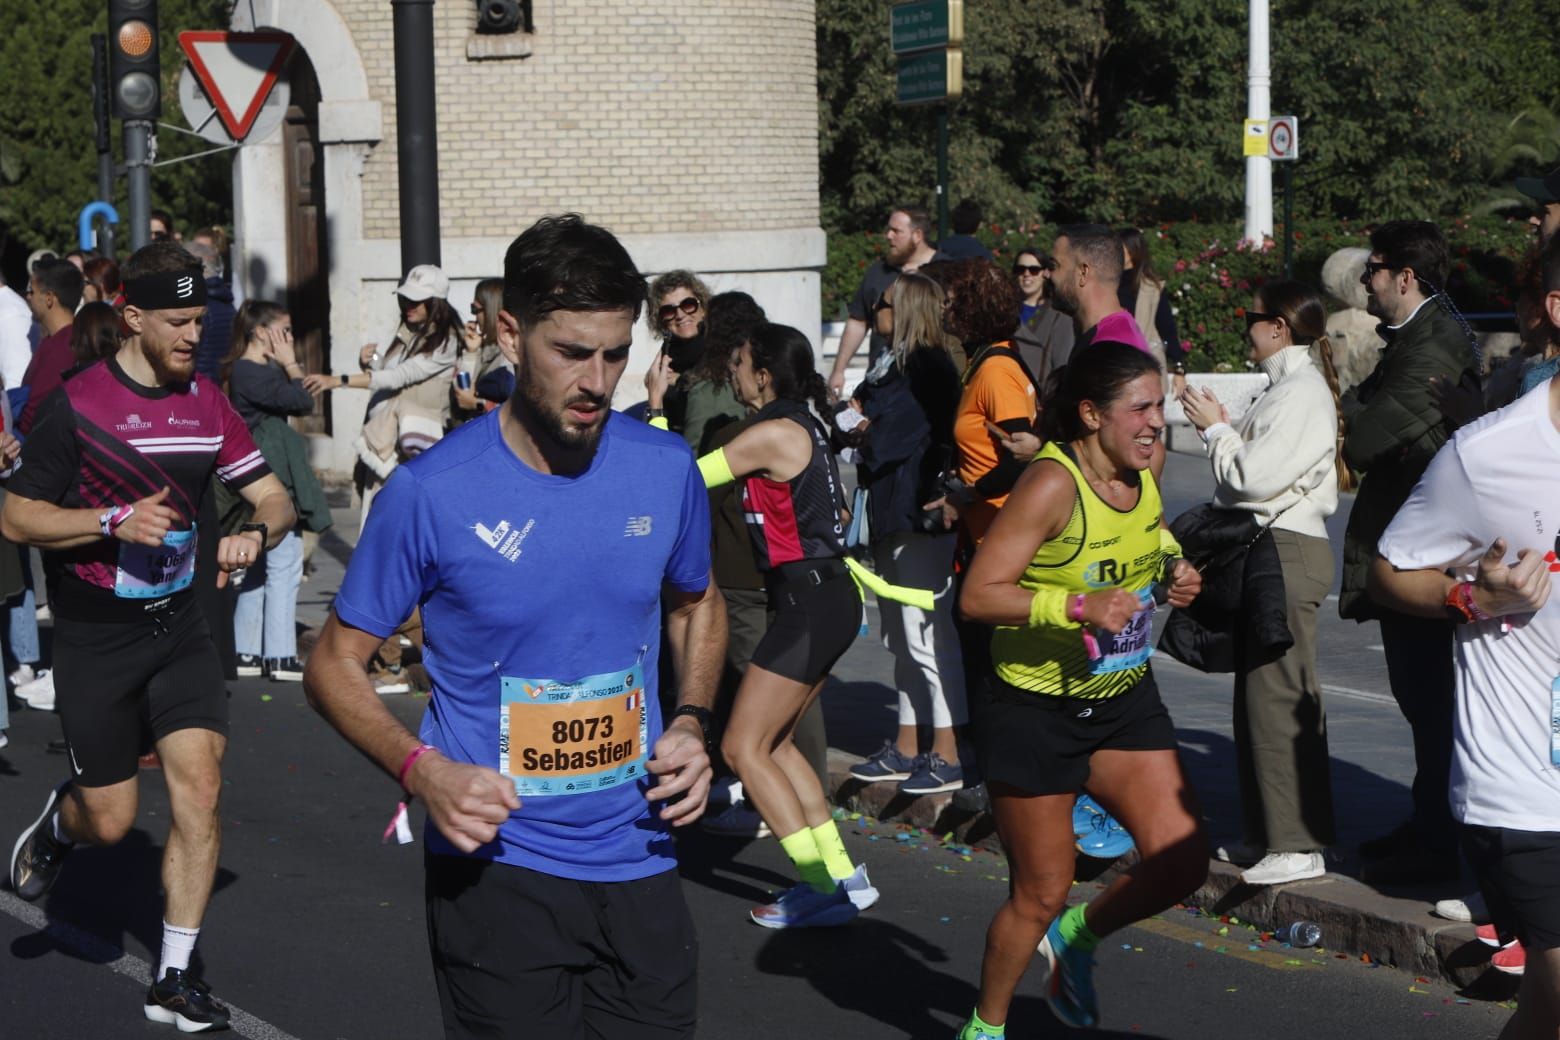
column 1259, row 168
column 417, row 133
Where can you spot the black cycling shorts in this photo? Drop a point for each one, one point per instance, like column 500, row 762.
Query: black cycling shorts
column 1519, row 874
column 121, row 684
column 1041, row 743
column 521, row 954
column 817, row 614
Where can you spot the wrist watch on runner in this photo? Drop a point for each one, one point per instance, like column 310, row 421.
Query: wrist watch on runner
column 265, row 533
column 700, row 715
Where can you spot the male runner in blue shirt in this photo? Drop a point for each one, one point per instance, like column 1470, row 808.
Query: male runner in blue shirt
column 541, row 542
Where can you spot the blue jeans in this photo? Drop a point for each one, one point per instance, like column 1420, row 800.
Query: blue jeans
column 264, row 620
column 22, row 618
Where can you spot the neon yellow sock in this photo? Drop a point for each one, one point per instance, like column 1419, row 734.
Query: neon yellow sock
column 1075, row 930
column 803, row 850
column 832, row 848
column 974, row 1027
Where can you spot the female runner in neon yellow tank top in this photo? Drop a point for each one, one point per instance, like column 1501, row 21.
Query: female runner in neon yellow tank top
column 1068, row 574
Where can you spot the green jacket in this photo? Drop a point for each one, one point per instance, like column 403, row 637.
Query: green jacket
column 287, row 453
column 1393, row 429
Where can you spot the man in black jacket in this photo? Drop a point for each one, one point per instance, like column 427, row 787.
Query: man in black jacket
column 1394, row 427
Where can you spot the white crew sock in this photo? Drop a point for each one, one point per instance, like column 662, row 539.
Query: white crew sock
column 178, row 944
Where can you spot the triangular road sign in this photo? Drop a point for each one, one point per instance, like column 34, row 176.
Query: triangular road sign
column 237, row 71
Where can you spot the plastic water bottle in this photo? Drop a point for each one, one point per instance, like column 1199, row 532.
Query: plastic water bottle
column 1300, row 934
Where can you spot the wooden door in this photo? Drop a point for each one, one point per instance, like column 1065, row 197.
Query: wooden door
column 308, row 265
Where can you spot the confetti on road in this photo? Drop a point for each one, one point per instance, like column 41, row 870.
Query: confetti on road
column 265, row 696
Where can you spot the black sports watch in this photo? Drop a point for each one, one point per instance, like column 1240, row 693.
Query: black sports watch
column 700, row 715
column 265, row 533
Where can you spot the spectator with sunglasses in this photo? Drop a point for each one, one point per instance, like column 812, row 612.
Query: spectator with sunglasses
column 1394, row 426
column 679, row 305
column 1044, row 337
column 1281, row 465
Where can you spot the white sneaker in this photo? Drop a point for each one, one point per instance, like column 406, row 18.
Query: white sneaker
column 391, row 684
column 23, row 675
column 39, row 693
column 1279, row 868
column 859, row 887
column 737, row 820
column 1468, row 910
column 4, row 740
column 44, row 613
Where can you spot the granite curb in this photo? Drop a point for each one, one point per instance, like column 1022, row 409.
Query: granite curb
column 1356, row 920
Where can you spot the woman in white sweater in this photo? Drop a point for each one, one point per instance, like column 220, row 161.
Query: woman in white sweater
column 1281, row 463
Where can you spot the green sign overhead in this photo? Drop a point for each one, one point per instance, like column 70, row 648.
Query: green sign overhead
column 926, row 24
column 928, row 77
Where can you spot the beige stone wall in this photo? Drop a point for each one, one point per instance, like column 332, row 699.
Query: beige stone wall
column 646, row 119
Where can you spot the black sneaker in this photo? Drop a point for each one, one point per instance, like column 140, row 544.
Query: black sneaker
column 284, row 669
column 1389, row 844
column 36, row 859
column 183, row 1000
column 249, row 666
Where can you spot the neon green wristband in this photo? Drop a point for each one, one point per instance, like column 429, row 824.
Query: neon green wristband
column 1048, row 609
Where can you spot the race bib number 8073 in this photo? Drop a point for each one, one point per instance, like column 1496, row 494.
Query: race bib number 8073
column 565, row 738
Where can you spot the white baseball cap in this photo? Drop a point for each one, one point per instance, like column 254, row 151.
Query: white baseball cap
column 423, row 282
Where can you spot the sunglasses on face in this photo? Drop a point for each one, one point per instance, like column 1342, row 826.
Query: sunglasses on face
column 1030, row 269
column 1258, row 317
column 1372, row 266
column 883, row 304
column 668, row 311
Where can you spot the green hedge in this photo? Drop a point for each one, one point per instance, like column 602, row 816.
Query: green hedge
column 1211, row 275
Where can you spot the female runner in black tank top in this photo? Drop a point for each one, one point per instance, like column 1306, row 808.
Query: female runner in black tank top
column 794, row 506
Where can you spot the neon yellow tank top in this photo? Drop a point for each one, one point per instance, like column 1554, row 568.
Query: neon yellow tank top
column 1101, row 547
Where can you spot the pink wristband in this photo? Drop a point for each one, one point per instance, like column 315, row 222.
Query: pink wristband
column 411, row 759
column 1075, row 608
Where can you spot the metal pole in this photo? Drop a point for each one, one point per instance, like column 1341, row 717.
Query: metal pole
column 942, row 171
column 416, row 127
column 1289, row 220
column 105, row 144
column 1259, row 168
column 138, row 178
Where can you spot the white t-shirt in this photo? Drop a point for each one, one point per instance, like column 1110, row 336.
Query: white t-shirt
column 1495, row 479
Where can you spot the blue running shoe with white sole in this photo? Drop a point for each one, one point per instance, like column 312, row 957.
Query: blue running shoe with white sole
column 806, row 907
column 1070, row 988
column 1085, row 810
column 886, row 763
column 1106, row 839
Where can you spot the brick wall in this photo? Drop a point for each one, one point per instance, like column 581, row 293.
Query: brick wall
column 648, row 120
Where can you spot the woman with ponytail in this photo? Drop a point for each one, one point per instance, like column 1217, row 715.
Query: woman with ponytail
column 794, row 503
column 1282, row 463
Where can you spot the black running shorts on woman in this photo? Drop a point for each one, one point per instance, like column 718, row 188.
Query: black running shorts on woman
column 817, row 613
column 119, row 682
column 1041, row 743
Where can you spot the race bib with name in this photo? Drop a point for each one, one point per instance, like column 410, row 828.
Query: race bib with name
column 566, row 738
column 153, row 571
column 1130, row 647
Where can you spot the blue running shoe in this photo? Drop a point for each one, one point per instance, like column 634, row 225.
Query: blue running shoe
column 931, row 775
column 806, row 907
column 1070, row 988
column 1106, row 839
column 887, row 763
column 1085, row 809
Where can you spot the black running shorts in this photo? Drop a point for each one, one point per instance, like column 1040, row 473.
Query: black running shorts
column 519, row 955
column 1041, row 744
column 817, row 613
column 119, row 682
column 1519, row 874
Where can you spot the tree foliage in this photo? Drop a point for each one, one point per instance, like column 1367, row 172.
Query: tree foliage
column 48, row 162
column 1132, row 109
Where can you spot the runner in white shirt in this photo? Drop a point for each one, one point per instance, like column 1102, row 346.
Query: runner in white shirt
column 1488, row 509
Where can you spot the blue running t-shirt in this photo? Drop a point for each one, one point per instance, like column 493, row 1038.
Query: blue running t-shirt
column 541, row 612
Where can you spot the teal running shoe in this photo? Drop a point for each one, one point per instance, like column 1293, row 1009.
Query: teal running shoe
column 1070, row 988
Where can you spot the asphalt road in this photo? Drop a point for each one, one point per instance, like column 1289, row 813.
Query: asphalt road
column 316, row 929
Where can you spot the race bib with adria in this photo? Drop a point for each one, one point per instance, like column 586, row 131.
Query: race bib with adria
column 153, row 571
column 566, row 738
column 1130, row 647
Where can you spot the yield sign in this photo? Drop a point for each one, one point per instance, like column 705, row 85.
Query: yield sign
column 237, row 71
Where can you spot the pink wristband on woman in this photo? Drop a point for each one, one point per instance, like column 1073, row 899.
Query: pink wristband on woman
column 1075, row 608
column 411, row 759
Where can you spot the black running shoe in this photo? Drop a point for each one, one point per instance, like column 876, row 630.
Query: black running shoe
column 36, row 859
column 183, row 1000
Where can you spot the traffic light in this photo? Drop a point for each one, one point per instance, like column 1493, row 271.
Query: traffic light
column 133, row 75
